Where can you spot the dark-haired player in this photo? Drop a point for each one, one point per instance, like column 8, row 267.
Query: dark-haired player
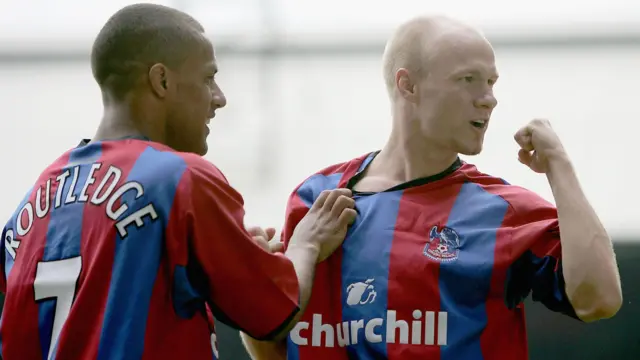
column 124, row 240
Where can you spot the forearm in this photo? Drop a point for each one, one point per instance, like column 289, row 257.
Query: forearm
column 589, row 266
column 304, row 259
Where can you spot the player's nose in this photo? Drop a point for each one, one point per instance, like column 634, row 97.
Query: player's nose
column 487, row 101
column 218, row 100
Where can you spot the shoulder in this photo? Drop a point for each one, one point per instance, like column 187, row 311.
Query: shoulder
column 327, row 178
column 200, row 178
column 200, row 169
column 193, row 164
column 158, row 161
column 520, row 200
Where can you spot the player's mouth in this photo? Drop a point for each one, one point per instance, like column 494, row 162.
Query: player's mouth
column 479, row 123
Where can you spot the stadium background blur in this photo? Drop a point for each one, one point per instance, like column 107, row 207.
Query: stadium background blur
column 304, row 88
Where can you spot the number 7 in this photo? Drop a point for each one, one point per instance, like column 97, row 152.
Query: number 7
column 57, row 279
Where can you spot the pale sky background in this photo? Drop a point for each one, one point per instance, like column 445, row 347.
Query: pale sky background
column 289, row 116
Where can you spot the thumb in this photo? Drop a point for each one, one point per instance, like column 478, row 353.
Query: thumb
column 525, row 157
column 276, row 246
column 523, row 138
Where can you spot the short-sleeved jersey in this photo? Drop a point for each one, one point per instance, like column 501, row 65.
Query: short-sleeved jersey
column 124, row 250
column 436, row 268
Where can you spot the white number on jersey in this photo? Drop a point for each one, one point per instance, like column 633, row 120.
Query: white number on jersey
column 57, row 279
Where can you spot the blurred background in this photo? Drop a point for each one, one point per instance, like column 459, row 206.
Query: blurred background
column 304, row 87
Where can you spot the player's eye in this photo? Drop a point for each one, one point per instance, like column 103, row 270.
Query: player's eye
column 468, row 78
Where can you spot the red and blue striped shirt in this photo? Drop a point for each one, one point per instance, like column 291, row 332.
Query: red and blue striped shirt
column 436, row 268
column 121, row 249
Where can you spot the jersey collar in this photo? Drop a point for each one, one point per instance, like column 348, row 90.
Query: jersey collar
column 135, row 137
column 405, row 185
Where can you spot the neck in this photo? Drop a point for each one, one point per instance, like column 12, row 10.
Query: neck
column 116, row 123
column 407, row 156
column 124, row 119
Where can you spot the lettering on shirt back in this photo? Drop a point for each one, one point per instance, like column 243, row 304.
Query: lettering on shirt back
column 98, row 188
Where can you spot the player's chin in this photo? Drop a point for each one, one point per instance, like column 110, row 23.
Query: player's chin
column 203, row 149
column 471, row 149
column 198, row 148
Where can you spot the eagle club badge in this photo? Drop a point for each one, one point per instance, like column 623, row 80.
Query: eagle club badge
column 443, row 245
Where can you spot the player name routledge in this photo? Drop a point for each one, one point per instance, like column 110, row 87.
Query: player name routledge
column 52, row 194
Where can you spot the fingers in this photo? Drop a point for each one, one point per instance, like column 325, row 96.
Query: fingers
column 272, row 246
column 339, row 204
column 334, row 196
column 262, row 242
column 264, row 237
column 523, row 138
column 344, row 207
column 328, row 197
column 347, row 217
column 325, row 225
column 342, row 203
column 257, row 231
column 270, row 232
column 320, row 200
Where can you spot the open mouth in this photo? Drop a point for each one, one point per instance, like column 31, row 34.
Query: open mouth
column 480, row 124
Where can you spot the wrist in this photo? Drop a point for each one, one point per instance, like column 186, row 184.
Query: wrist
column 306, row 250
column 558, row 162
column 560, row 173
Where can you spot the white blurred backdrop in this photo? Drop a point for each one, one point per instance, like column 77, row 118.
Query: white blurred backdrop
column 305, row 90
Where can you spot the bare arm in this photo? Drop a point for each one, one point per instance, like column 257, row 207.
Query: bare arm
column 592, row 281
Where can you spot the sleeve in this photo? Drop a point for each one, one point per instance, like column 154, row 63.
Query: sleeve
column 297, row 208
column 247, row 287
column 535, row 236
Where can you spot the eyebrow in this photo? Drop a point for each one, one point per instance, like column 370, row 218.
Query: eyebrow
column 475, row 71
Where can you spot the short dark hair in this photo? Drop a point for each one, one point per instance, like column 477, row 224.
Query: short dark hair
column 137, row 37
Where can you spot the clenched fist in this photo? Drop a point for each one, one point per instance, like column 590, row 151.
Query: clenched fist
column 538, row 143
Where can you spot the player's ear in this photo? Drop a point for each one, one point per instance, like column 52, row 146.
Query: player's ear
column 405, row 85
column 159, row 79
